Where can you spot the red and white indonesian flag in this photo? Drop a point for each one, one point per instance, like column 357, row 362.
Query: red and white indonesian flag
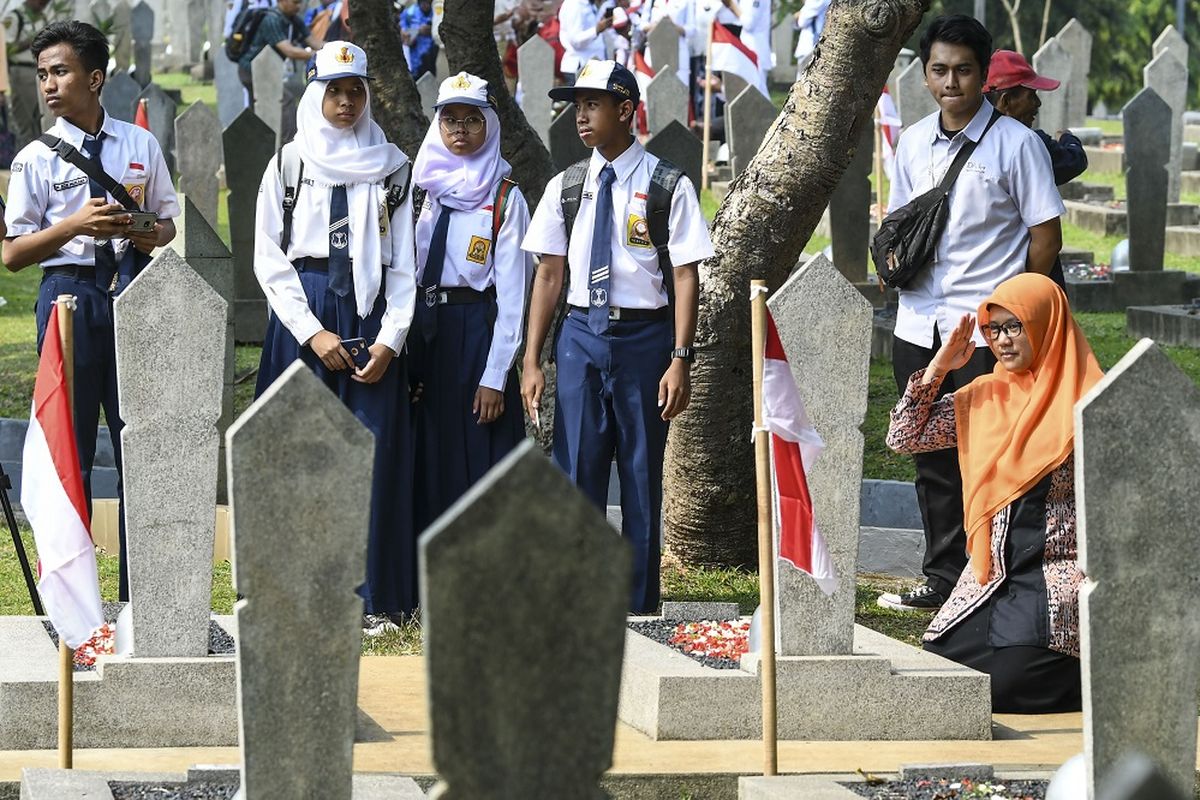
column 53, row 499
column 730, row 54
column 889, row 123
column 795, row 447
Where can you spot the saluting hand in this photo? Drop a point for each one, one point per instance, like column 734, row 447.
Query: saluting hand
column 955, row 352
column 101, row 219
column 328, row 347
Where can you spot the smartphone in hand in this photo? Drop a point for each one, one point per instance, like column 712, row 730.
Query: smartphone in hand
column 360, row 354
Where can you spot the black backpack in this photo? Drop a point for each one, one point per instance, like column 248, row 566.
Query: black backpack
column 245, row 25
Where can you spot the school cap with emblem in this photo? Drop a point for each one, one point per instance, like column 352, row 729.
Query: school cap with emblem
column 466, row 89
column 339, row 60
column 606, row 76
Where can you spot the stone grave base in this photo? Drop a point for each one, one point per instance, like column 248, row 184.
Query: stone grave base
column 125, row 702
column 885, row 690
column 831, row 787
column 1168, row 324
column 1149, row 288
column 62, row 784
column 249, row 320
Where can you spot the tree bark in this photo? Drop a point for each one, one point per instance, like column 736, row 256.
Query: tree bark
column 466, row 31
column 759, row 232
column 395, row 103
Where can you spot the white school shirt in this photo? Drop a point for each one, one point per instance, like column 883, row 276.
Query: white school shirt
column 310, row 238
column 704, row 11
column 44, row 189
column 577, row 20
column 1005, row 188
column 756, row 31
column 474, row 261
column 636, row 281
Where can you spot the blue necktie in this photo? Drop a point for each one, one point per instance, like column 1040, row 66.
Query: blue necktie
column 599, row 274
column 432, row 277
column 106, row 256
column 339, row 242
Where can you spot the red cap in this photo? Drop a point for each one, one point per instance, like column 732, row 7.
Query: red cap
column 1009, row 69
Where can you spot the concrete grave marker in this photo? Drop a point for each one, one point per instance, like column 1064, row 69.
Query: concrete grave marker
column 299, row 481
column 535, row 63
column 231, row 95
column 194, row 36
column 783, row 45
column 249, row 145
column 198, row 139
column 913, row 100
column 825, row 326
column 565, row 145
column 170, row 346
column 677, row 144
column 1077, row 41
column 1053, row 61
column 1168, row 77
column 499, row 733
column 99, row 12
column 663, row 44
column 732, row 85
column 666, row 101
column 1147, row 123
column 850, row 211
column 1171, row 41
column 141, row 31
column 266, row 73
column 427, row 88
column 160, row 111
column 121, row 42
column 1137, row 450
column 747, row 120
column 441, row 65
column 119, row 96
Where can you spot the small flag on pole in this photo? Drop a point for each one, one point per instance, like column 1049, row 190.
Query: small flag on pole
column 142, row 117
column 795, row 447
column 730, row 54
column 889, row 122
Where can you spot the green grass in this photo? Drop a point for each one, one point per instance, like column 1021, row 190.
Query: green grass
column 1110, row 127
column 1102, row 247
column 18, row 340
column 192, row 90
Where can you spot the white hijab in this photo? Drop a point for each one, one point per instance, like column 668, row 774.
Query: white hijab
column 361, row 159
column 461, row 182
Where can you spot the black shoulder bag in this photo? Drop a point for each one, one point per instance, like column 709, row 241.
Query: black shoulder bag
column 907, row 239
column 68, row 153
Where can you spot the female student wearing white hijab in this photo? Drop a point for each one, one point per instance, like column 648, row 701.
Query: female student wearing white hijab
column 472, row 277
column 338, row 268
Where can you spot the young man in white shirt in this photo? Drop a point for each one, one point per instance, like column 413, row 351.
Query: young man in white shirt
column 59, row 218
column 1003, row 220
column 582, row 28
column 623, row 353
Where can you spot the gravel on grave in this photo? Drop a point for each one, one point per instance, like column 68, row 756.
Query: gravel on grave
column 197, row 790
column 940, row 789
column 220, row 643
column 661, row 630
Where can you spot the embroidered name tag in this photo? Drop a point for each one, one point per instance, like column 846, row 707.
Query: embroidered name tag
column 62, row 186
column 477, row 250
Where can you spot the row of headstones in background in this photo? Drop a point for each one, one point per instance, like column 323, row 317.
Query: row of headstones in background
column 748, row 117
column 122, row 94
column 663, row 46
column 675, row 143
column 1167, row 75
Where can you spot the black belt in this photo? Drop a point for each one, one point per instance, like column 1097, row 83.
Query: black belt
column 631, row 314
column 307, row 264
column 78, row 271
column 455, row 295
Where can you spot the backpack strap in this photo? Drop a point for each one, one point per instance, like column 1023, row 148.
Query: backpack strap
column 500, row 206
column 397, row 192
column 572, row 192
column 291, row 175
column 663, row 181
column 72, row 156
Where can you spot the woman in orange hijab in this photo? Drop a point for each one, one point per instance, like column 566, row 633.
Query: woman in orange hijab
column 1015, row 611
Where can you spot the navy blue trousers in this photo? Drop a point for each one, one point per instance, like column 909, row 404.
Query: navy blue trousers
column 391, row 547
column 606, row 406
column 95, row 380
column 453, row 450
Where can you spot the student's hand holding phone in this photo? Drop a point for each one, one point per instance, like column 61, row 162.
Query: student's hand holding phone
column 145, row 241
column 328, row 347
column 101, row 219
column 381, row 357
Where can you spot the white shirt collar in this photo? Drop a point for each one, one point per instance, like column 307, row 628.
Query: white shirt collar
column 75, row 135
column 974, row 128
column 624, row 165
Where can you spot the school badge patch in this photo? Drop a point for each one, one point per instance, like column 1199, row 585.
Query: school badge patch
column 137, row 192
column 477, row 250
column 638, row 232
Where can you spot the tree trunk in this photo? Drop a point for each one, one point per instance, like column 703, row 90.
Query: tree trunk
column 1013, row 8
column 1045, row 23
column 395, row 103
column 466, row 30
column 759, row 232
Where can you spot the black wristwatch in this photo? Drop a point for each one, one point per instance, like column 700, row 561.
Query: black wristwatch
column 688, row 354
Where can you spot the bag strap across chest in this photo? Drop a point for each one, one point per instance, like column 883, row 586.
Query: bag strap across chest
column 64, row 150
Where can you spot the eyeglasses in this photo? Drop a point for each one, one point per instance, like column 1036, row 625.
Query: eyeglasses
column 471, row 125
column 1012, row 329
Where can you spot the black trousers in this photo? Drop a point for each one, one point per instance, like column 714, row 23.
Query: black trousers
column 939, row 482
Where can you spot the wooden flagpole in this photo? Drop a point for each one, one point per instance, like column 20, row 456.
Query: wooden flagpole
column 707, row 109
column 878, row 165
column 766, row 533
column 66, row 660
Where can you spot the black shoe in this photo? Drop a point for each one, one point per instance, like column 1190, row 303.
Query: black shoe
column 922, row 598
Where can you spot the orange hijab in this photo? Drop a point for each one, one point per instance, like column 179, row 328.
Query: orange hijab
column 1015, row 428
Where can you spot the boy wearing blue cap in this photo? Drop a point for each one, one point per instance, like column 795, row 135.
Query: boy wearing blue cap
column 629, row 225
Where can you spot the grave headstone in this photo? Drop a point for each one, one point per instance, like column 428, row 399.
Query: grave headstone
column 1077, row 41
column 231, row 95
column 850, row 211
column 1053, row 61
column 913, row 100
column 299, row 471
column 565, row 145
column 141, row 32
column 1171, row 41
column 427, row 88
column 681, row 147
column 535, row 64
column 498, row 733
column 194, row 35
column 169, row 330
column 266, row 73
column 1137, row 448
column 441, row 65
column 119, row 96
column 160, row 111
column 198, row 141
column 249, row 145
column 663, row 43
column 666, row 101
column 1168, row 77
column 293, row 89
column 1147, row 123
column 122, row 44
column 824, row 323
column 747, row 120
column 783, row 45
column 733, row 85
column 99, row 12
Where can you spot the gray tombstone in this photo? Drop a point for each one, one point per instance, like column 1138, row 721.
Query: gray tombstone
column 119, row 96
column 783, row 45
column 300, row 468
column 1077, row 41
column 1137, row 445
column 198, row 143
column 427, row 88
column 160, row 111
column 441, row 65
column 169, row 329
column 1168, row 77
column 565, row 145
column 249, row 145
column 913, row 100
column 99, row 12
column 141, row 32
column 231, row 95
column 666, row 101
column 1053, row 61
column 824, row 323
column 732, row 85
column 1171, row 41
column 500, row 732
column 850, row 211
column 535, row 63
column 122, row 44
column 664, row 46
column 266, row 71
column 194, row 34
column 747, row 120
column 681, row 147
column 1147, row 123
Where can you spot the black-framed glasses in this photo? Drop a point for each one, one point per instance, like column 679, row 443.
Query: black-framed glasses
column 471, row 125
column 1012, row 329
